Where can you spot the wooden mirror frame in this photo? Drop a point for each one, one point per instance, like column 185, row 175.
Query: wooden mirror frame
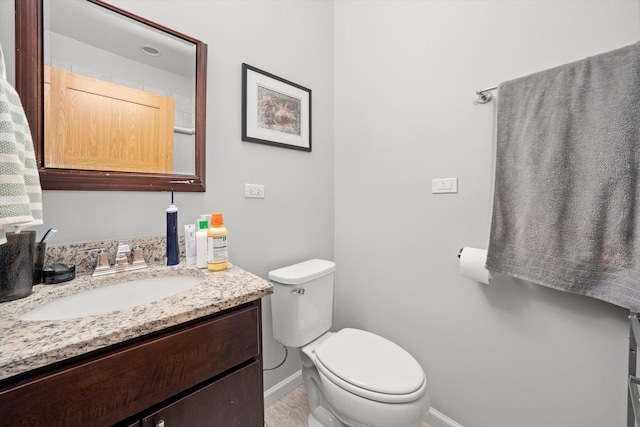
column 30, row 86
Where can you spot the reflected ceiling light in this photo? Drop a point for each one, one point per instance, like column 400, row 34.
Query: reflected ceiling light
column 149, row 50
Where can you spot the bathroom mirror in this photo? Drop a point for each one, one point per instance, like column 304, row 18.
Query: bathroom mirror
column 89, row 74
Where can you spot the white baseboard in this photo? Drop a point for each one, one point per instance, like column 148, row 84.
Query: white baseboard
column 438, row 419
column 283, row 387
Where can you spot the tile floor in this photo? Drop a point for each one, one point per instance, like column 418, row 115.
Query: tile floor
column 291, row 411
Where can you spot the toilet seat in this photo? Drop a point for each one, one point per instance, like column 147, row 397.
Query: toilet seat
column 370, row 366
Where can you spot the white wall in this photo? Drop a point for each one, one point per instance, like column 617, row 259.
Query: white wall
column 511, row 353
column 508, row 354
column 290, row 39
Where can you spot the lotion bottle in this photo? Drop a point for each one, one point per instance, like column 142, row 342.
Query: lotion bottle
column 190, row 243
column 173, row 250
column 201, row 244
column 217, row 255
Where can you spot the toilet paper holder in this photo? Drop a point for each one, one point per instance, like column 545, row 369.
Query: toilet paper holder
column 473, row 264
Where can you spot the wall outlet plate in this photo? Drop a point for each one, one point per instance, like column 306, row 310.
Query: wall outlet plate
column 254, row 191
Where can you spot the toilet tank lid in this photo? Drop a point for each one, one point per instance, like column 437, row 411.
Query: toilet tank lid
column 302, row 272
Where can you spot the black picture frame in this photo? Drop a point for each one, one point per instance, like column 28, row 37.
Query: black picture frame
column 275, row 111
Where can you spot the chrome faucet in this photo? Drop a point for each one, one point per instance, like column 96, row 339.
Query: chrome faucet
column 122, row 261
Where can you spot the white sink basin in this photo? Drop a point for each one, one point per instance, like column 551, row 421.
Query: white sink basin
column 112, row 298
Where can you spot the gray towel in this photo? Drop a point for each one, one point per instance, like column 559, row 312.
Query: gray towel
column 566, row 208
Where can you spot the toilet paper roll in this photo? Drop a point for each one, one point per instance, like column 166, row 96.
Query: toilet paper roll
column 472, row 261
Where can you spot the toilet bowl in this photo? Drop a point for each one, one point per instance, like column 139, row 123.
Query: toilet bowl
column 352, row 377
column 366, row 380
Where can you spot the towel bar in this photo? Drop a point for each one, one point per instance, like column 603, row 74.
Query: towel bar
column 484, row 96
column 3, row 67
column 633, row 398
column 634, row 384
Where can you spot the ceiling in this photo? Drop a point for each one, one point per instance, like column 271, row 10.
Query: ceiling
column 94, row 25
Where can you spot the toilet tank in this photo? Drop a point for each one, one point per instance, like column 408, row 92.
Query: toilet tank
column 302, row 301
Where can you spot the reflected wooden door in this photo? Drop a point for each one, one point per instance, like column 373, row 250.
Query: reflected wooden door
column 98, row 125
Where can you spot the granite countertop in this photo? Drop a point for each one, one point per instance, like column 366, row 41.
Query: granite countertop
column 27, row 345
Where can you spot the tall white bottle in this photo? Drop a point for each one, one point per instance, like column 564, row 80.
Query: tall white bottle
column 201, row 244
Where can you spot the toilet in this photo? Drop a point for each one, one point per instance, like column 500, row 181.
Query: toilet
column 352, row 377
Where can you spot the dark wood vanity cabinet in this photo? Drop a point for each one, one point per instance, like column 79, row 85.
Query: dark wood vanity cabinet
column 205, row 373
column 225, row 402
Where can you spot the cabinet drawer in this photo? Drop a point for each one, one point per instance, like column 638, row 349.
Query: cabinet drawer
column 108, row 388
column 236, row 400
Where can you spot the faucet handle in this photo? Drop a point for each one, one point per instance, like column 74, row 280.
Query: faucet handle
column 103, row 260
column 138, row 258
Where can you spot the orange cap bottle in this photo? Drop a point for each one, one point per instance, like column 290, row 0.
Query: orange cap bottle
column 217, row 253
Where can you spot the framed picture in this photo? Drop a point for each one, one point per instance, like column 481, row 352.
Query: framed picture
column 275, row 111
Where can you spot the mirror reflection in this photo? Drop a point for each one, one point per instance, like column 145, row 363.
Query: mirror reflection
column 119, row 95
column 125, row 98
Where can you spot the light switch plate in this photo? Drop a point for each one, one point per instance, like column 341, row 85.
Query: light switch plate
column 444, row 185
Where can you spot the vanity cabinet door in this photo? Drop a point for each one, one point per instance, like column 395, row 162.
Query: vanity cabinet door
column 232, row 401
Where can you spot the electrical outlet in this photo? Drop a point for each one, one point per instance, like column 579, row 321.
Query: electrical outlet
column 255, row 191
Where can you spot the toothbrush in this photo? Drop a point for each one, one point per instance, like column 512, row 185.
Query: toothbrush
column 48, row 235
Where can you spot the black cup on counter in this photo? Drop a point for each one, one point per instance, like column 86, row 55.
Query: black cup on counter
column 17, row 258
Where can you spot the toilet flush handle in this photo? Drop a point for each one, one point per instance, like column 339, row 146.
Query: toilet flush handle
column 298, row 291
